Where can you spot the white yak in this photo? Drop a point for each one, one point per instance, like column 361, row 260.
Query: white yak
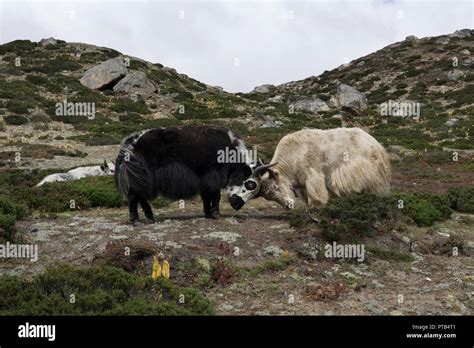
column 316, row 165
column 79, row 173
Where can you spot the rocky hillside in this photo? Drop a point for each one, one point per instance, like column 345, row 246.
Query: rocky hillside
column 128, row 94
column 67, row 104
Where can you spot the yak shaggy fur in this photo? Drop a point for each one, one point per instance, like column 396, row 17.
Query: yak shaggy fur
column 178, row 163
column 319, row 164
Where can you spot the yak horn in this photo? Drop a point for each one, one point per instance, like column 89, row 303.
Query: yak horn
column 259, row 171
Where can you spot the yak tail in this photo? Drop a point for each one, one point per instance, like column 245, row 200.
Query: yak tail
column 133, row 175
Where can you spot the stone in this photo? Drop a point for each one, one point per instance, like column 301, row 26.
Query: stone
column 466, row 52
column 351, row 100
column 443, row 40
column 263, row 88
column 468, row 63
column 270, row 122
column 104, row 74
column 311, row 105
column 411, row 38
column 229, row 237
column 276, row 99
column 451, row 122
column 48, row 41
column 455, row 74
column 461, row 33
column 135, row 83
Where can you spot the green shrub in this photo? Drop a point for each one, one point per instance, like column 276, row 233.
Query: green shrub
column 462, row 199
column 424, row 208
column 99, row 190
column 9, row 213
column 17, row 46
column 15, row 120
column 98, row 290
column 123, row 104
column 355, row 215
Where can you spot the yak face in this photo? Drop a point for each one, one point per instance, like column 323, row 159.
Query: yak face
column 107, row 168
column 264, row 182
column 237, row 192
column 273, row 188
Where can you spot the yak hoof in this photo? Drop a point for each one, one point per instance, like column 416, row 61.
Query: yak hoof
column 150, row 220
column 213, row 215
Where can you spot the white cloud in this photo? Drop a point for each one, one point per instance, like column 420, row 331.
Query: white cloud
column 274, row 41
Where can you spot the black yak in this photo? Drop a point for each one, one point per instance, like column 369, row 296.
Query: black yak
column 179, row 163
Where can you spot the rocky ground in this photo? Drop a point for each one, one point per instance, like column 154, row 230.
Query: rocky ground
column 279, row 270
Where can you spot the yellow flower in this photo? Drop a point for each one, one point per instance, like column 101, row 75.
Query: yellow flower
column 156, row 268
column 165, row 270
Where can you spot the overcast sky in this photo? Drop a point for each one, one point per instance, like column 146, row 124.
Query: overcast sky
column 237, row 44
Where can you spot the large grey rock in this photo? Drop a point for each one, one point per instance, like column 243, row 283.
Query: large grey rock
column 461, row 33
column 276, row 99
column 105, row 73
column 270, row 122
column 312, row 105
column 135, row 83
column 443, row 40
column 350, row 99
column 48, row 41
column 411, row 38
column 263, row 88
column 468, row 62
column 455, row 74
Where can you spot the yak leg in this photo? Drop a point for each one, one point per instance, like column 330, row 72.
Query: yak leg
column 215, row 205
column 147, row 209
column 206, row 202
column 211, row 194
column 316, row 193
column 133, row 207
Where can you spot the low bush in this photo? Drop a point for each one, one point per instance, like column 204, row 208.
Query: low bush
column 462, row 199
column 355, row 216
column 15, row 120
column 98, row 290
column 9, row 213
column 424, row 208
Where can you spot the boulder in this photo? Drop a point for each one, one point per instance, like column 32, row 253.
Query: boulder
column 350, row 99
column 48, row 41
column 270, row 122
column 443, row 40
column 468, row 62
column 461, row 33
column 104, row 74
column 411, row 38
column 452, row 122
column 276, row 99
column 263, row 88
column 135, row 83
column 312, row 105
column 455, row 74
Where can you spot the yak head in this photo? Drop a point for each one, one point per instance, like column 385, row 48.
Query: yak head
column 107, row 168
column 263, row 182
